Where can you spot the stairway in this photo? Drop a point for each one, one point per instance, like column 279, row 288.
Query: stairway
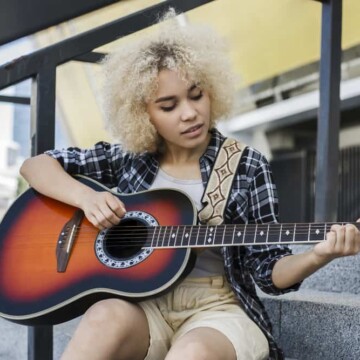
column 322, row 320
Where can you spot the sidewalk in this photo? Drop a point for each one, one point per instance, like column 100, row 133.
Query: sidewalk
column 13, row 339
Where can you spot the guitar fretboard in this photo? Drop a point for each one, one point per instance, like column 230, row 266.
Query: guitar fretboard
column 230, row 235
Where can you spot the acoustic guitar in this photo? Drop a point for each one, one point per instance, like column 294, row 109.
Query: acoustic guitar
column 54, row 264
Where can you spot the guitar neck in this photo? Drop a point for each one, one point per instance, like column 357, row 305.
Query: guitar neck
column 185, row 236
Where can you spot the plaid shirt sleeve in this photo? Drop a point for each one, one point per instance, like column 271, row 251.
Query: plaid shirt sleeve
column 263, row 208
column 101, row 162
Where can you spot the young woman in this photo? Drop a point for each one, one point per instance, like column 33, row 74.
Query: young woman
column 163, row 96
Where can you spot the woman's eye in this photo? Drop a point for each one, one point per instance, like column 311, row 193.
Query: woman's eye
column 167, row 108
column 197, row 96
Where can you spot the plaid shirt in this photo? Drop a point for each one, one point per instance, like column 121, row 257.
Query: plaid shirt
column 253, row 199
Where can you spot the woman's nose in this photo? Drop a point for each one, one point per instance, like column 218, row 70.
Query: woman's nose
column 188, row 111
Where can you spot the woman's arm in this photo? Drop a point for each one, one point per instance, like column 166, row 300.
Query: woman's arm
column 46, row 175
column 340, row 241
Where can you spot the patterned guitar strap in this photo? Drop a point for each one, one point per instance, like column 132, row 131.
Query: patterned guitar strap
column 220, row 182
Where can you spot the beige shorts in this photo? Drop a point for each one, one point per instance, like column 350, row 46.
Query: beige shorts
column 202, row 302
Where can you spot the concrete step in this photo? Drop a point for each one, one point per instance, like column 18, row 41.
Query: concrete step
column 308, row 324
column 341, row 275
column 13, row 339
column 315, row 325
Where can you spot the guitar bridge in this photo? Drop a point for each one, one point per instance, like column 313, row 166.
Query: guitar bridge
column 66, row 240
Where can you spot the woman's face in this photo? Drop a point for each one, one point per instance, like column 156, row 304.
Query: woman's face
column 180, row 112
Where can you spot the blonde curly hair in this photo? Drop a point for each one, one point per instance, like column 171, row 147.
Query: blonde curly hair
column 195, row 52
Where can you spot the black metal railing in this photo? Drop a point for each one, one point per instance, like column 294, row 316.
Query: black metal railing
column 349, row 184
column 298, row 169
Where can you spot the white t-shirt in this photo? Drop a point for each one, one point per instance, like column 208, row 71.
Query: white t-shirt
column 209, row 262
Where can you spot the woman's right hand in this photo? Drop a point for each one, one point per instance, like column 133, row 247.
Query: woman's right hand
column 102, row 209
column 46, row 175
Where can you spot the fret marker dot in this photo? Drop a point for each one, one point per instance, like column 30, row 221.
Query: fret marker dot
column 211, row 229
column 261, row 233
column 239, row 233
column 173, row 235
column 317, row 232
column 287, row 232
column 209, row 240
column 186, row 235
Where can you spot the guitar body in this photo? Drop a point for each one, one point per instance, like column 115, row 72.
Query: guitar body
column 34, row 292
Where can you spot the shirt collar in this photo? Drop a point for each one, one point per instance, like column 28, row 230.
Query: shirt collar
column 214, row 145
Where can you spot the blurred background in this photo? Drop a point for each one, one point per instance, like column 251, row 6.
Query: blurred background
column 275, row 52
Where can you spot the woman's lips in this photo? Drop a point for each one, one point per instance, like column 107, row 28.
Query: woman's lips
column 192, row 129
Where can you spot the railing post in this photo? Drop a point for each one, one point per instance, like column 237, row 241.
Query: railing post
column 40, row 343
column 43, row 110
column 327, row 157
column 40, row 338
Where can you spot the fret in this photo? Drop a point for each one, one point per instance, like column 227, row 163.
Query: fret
column 294, row 232
column 287, row 233
column 152, row 244
column 183, row 229
column 274, row 233
column 164, row 228
column 236, row 236
column 219, row 239
column 186, row 236
column 216, row 228
column 317, row 232
column 240, row 232
column 168, row 237
column 188, row 239
column 191, row 234
column 194, row 240
column 302, row 233
column 210, row 235
column 327, row 227
column 249, row 235
column 158, row 236
column 230, row 236
column 158, row 233
column 261, row 233
column 243, row 236
column 204, row 235
column 226, row 239
column 174, row 237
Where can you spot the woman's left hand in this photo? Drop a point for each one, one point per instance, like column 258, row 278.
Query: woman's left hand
column 341, row 240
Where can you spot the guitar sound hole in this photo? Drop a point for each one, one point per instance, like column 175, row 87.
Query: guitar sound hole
column 126, row 239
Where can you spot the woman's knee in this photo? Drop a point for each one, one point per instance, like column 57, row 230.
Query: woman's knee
column 119, row 324
column 191, row 350
column 200, row 344
column 114, row 313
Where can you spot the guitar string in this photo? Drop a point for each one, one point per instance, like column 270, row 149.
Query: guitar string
column 139, row 240
column 199, row 229
column 273, row 228
column 142, row 231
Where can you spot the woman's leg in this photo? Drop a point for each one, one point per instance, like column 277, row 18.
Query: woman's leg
column 202, row 344
column 110, row 329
